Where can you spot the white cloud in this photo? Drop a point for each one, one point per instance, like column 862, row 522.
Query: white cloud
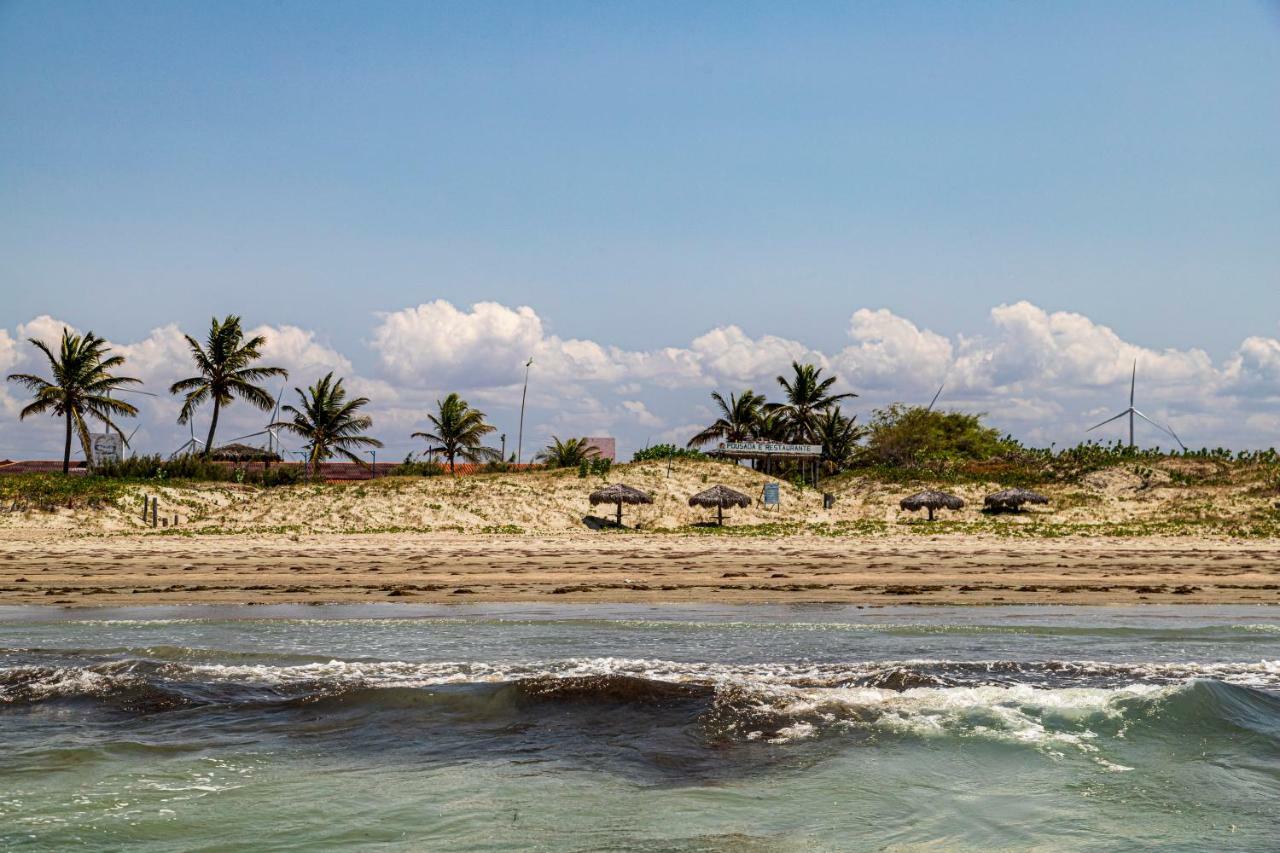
column 1041, row 375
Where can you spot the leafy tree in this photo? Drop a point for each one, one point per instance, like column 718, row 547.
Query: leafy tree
column 909, row 435
column 329, row 422
column 569, row 453
column 81, row 388
column 807, row 394
column 226, row 370
column 737, row 421
column 665, row 451
column 459, row 431
column 839, row 436
column 771, row 425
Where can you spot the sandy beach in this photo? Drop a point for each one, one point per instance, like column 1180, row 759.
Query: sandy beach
column 953, row 569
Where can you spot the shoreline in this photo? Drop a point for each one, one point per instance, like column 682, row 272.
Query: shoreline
column 124, row 570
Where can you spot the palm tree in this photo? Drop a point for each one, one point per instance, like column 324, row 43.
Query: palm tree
column 225, row 369
column 81, row 387
column 459, row 430
column 329, row 422
column 838, row 436
column 737, row 419
column 807, row 394
column 569, row 453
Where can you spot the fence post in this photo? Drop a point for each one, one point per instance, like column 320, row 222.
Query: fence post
column 146, row 500
column 155, row 512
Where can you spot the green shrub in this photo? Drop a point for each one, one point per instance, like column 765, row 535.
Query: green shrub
column 47, row 492
column 914, row 435
column 666, row 451
column 417, row 468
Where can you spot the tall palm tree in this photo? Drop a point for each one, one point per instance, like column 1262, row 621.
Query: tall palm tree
column 737, row 421
column 838, row 436
column 81, row 387
column 329, row 422
column 569, row 453
column 807, row 394
column 226, row 372
column 459, row 432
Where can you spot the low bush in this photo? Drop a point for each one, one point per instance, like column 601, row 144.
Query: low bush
column 665, row 451
column 417, row 468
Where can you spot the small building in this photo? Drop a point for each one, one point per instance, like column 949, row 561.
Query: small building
column 607, row 446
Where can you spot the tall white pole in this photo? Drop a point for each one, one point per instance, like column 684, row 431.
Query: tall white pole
column 523, row 394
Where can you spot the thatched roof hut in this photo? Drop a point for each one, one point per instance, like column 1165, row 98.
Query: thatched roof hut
column 243, row 453
column 619, row 493
column 720, row 497
column 931, row 499
column 1012, row 500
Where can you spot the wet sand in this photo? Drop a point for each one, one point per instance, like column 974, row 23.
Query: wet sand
column 431, row 568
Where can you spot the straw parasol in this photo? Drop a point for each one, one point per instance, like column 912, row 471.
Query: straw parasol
column 720, row 497
column 1013, row 499
column 619, row 494
column 931, row 499
column 243, row 453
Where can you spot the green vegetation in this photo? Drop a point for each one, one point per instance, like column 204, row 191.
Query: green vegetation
column 594, row 466
column 226, row 371
column 662, row 452
column 569, row 453
column 81, row 388
column 48, row 492
column 195, row 469
column 329, row 422
column 411, row 467
column 912, row 436
column 459, row 433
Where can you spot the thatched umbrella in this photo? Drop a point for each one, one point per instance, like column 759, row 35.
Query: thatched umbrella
column 931, row 499
column 1013, row 499
column 720, row 497
column 619, row 494
column 243, row 453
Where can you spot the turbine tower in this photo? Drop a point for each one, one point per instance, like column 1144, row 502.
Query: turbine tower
column 1131, row 412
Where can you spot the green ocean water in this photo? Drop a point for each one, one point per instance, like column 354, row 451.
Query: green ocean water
column 640, row 728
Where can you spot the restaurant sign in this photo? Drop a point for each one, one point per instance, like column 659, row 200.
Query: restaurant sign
column 769, row 448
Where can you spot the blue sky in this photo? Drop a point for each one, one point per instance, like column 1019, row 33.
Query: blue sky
column 640, row 175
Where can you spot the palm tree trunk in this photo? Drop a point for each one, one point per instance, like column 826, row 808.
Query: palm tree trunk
column 452, row 471
column 66, row 448
column 213, row 425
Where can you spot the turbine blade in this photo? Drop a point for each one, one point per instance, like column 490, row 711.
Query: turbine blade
column 1133, row 382
column 935, row 397
column 1108, row 420
column 1162, row 428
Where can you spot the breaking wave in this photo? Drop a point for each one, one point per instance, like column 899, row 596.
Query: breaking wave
column 1053, row 706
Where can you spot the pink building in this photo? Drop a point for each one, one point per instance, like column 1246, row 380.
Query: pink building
column 606, row 445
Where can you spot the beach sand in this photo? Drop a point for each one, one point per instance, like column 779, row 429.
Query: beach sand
column 48, row 568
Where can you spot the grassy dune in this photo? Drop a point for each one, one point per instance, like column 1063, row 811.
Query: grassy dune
column 1176, row 497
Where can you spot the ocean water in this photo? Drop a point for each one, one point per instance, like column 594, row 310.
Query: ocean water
column 640, row 728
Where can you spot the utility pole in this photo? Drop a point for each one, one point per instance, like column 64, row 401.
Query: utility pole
column 523, row 395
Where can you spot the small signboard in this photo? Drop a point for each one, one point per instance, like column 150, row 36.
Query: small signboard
column 772, row 497
column 769, row 448
column 107, row 448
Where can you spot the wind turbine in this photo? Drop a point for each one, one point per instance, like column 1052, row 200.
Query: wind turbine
column 1131, row 411
column 271, row 431
column 190, row 446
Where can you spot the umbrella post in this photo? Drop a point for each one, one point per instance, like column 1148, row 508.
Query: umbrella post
column 931, row 513
column 720, row 515
column 619, row 512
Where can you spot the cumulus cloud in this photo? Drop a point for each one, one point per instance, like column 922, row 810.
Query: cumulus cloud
column 1041, row 375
